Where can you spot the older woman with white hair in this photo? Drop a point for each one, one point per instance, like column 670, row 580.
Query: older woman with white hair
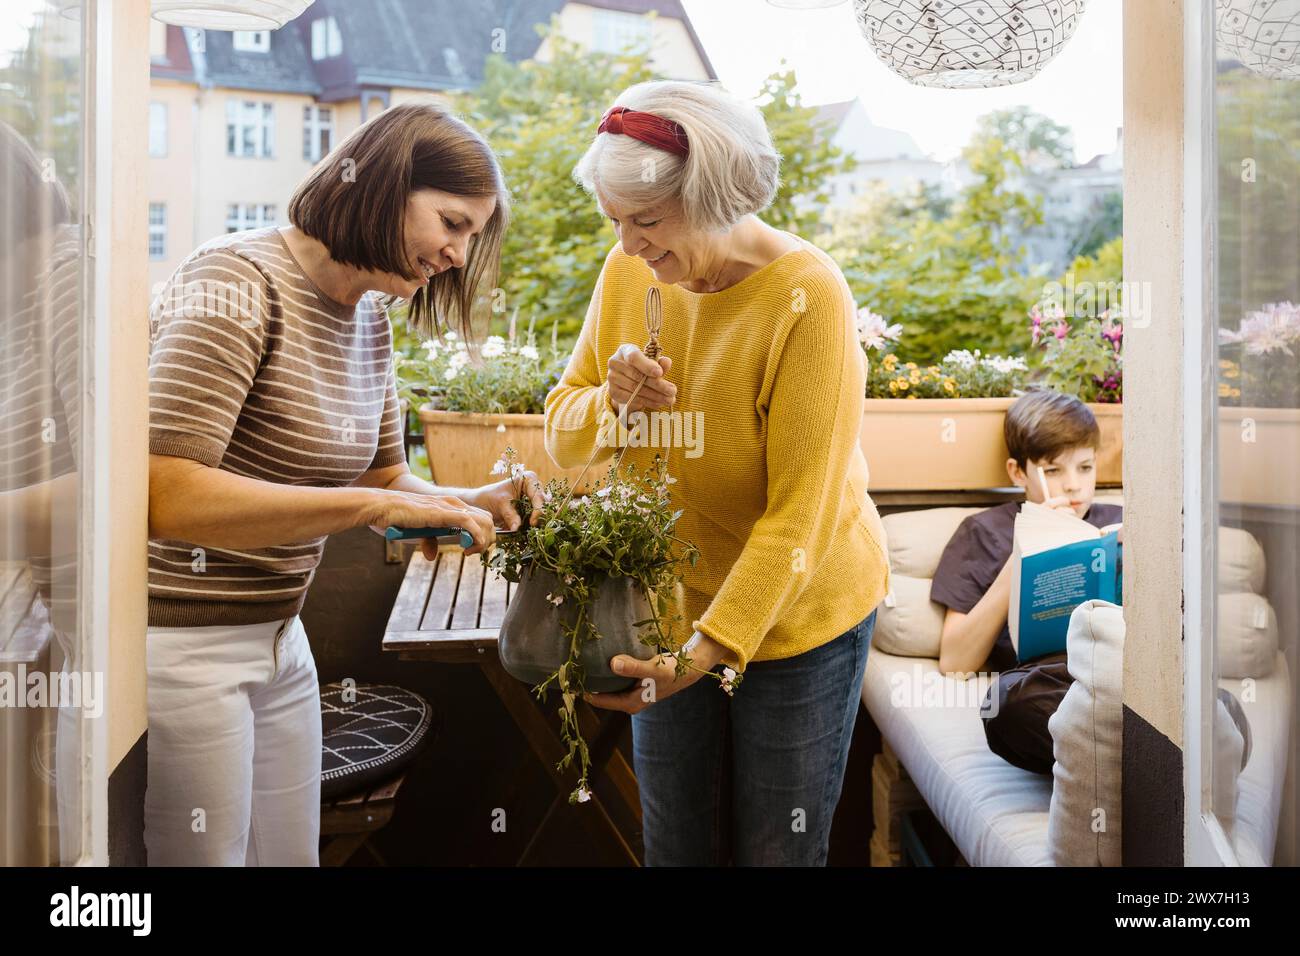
column 758, row 343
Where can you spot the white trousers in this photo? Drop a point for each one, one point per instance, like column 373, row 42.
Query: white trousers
column 234, row 746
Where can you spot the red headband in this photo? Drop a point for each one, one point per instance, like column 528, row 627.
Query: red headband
column 647, row 127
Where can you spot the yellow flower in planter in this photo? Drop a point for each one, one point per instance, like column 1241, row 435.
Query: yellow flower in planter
column 950, row 386
column 893, row 386
column 902, row 384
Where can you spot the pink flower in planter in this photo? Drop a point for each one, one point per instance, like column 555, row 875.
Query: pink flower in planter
column 1062, row 330
column 1274, row 328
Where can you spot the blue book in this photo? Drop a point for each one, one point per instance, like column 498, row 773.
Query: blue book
column 1058, row 562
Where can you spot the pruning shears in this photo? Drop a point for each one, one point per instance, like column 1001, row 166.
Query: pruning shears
column 463, row 538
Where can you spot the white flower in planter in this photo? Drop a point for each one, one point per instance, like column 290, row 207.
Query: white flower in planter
column 501, row 467
column 583, row 794
column 556, row 599
column 450, row 374
column 528, row 352
column 874, row 331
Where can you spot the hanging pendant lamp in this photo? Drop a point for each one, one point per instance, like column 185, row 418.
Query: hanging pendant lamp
column 963, row 44
column 1261, row 35
column 228, row 14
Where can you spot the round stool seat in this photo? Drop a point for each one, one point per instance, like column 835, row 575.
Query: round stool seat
column 369, row 733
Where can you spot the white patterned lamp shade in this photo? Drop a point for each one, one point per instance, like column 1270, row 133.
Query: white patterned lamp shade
column 963, row 44
column 228, row 14
column 1261, row 35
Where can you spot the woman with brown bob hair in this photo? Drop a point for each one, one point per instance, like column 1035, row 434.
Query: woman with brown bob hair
column 274, row 422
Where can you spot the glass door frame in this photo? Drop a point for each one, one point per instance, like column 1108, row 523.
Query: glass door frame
column 1205, row 843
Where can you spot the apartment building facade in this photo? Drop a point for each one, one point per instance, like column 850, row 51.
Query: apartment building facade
column 237, row 120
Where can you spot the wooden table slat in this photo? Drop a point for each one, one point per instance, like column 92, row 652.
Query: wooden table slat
column 408, row 609
column 469, row 594
column 442, row 595
column 496, row 598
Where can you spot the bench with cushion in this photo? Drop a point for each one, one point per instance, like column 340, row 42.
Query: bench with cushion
column 1000, row 815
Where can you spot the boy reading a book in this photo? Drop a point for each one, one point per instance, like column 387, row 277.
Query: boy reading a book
column 1056, row 432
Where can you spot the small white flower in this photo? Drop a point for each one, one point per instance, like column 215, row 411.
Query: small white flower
column 500, row 467
column 583, row 794
column 450, row 374
column 528, row 352
column 728, row 681
column 516, row 470
column 603, row 493
column 669, row 480
column 556, row 599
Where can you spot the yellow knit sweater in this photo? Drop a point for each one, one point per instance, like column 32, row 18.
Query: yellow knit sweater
column 763, row 445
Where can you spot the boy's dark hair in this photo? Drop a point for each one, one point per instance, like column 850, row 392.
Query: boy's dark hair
column 1042, row 423
column 355, row 203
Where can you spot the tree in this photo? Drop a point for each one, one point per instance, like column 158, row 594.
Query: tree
column 1039, row 140
column 808, row 160
column 1102, row 223
column 541, row 117
column 952, row 281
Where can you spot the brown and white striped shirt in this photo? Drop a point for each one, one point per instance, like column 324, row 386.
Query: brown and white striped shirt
column 255, row 371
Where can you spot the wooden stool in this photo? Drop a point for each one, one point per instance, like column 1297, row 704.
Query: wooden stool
column 352, row 820
column 370, row 733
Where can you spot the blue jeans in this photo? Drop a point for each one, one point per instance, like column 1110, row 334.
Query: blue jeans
column 783, row 740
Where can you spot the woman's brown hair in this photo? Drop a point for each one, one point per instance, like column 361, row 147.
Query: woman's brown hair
column 355, row 203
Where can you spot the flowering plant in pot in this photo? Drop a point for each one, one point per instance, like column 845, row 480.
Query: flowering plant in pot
column 1083, row 357
column 503, row 375
column 596, row 576
column 1257, row 367
column 961, row 374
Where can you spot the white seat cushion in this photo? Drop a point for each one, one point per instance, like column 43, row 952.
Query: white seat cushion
column 994, row 812
column 1259, row 788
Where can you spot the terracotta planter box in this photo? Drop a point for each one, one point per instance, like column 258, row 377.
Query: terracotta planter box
column 463, row 447
column 1259, row 456
column 954, row 444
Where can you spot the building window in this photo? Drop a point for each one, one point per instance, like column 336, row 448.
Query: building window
column 252, row 41
column 157, row 230
column 250, row 215
column 157, row 129
column 317, row 132
column 616, row 30
column 250, row 128
column 326, row 41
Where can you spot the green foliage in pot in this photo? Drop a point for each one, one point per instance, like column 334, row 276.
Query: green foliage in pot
column 622, row 529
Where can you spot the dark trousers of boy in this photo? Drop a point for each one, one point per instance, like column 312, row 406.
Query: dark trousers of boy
column 1027, row 696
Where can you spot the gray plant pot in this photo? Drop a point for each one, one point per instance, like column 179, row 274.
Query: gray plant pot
column 532, row 643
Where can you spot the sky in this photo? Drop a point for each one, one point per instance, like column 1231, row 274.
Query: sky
column 1081, row 89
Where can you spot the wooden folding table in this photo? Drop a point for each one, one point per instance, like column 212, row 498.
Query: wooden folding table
column 449, row 611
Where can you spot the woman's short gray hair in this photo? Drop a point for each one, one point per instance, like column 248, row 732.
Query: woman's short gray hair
column 730, row 171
